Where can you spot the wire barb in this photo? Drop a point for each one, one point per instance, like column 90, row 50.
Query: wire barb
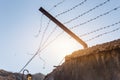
column 101, row 15
column 100, row 29
column 54, row 6
column 71, row 8
column 103, row 34
column 59, row 15
column 87, row 12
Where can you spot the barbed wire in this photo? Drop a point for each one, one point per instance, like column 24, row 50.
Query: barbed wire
column 40, row 26
column 116, row 8
column 100, row 29
column 71, row 8
column 103, row 34
column 49, row 36
column 39, row 58
column 40, row 49
column 78, row 16
column 101, row 4
column 30, row 60
column 44, row 62
column 59, row 3
column 88, row 39
column 48, row 21
column 59, row 15
column 52, row 40
column 44, row 33
column 92, row 19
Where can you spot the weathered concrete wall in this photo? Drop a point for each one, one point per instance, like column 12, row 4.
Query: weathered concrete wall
column 101, row 62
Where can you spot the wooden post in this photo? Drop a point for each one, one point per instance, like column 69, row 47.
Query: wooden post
column 63, row 27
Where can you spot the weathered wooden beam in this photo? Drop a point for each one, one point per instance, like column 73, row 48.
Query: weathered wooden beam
column 63, row 27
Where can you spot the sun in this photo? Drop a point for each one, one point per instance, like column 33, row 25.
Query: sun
column 65, row 45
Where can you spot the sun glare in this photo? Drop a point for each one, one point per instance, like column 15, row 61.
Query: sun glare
column 65, row 46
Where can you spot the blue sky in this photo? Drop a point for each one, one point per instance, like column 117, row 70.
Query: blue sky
column 20, row 22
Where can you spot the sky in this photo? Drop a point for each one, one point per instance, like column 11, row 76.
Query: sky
column 24, row 30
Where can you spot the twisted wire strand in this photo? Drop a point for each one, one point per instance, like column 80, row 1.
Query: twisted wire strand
column 93, row 18
column 100, row 29
column 40, row 26
column 79, row 4
column 101, row 4
column 43, row 61
column 101, row 15
column 49, row 36
column 56, row 5
column 62, row 14
column 103, row 34
column 45, row 46
column 44, row 33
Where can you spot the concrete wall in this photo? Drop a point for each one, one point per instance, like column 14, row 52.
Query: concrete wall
column 101, row 62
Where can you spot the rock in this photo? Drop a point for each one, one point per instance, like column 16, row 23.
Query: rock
column 4, row 75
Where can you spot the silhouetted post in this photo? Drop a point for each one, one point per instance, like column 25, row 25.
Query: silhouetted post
column 63, row 27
